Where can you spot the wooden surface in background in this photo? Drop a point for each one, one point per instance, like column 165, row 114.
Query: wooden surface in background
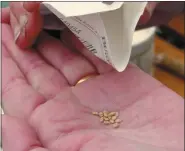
column 173, row 82
column 177, row 23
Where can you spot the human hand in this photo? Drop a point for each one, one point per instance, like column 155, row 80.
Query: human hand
column 44, row 111
column 25, row 20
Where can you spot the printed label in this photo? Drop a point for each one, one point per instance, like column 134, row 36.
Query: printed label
column 91, row 32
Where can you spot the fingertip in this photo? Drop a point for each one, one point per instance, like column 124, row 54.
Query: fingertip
column 31, row 6
column 144, row 18
column 147, row 14
column 5, row 15
column 32, row 31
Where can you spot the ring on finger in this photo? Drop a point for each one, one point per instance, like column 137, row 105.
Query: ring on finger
column 85, row 78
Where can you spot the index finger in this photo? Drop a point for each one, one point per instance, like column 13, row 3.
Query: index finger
column 31, row 6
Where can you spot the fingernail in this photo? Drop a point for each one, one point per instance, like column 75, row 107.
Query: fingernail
column 23, row 20
column 17, row 32
column 20, row 29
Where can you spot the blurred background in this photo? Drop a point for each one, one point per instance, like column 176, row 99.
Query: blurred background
column 159, row 51
column 170, row 40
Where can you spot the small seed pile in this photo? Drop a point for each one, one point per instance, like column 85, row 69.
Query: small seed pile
column 108, row 118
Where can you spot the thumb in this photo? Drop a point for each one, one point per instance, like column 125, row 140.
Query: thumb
column 26, row 22
column 31, row 6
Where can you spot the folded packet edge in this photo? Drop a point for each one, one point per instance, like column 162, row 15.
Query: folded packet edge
column 122, row 66
column 111, row 8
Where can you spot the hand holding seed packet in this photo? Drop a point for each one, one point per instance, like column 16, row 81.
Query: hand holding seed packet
column 58, row 96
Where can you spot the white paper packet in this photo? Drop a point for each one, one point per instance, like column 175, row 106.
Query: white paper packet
column 105, row 29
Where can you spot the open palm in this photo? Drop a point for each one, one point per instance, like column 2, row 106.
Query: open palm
column 44, row 112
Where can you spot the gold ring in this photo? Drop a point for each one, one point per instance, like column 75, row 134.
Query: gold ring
column 85, row 78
